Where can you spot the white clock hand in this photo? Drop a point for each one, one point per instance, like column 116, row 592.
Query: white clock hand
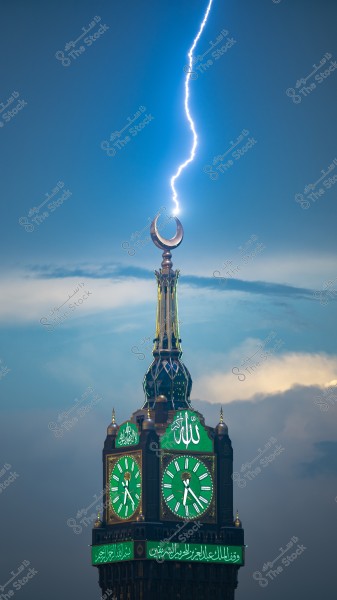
column 128, row 493
column 185, row 494
column 194, row 496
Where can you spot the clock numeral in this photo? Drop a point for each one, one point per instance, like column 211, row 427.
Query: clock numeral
column 196, row 467
column 114, row 489
column 176, row 506
column 186, row 510
column 119, row 468
column 115, row 477
column 119, row 508
column 169, row 497
column 166, row 485
column 115, row 500
column 138, row 485
column 133, row 466
column 186, row 462
column 137, row 475
column 205, row 487
column 169, row 474
column 126, row 463
column 203, row 476
column 203, row 499
column 196, row 507
column 176, row 465
column 136, row 495
column 126, row 510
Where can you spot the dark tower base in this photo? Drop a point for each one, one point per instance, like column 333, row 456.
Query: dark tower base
column 149, row 580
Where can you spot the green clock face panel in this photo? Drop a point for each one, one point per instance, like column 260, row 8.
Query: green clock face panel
column 125, row 487
column 187, row 487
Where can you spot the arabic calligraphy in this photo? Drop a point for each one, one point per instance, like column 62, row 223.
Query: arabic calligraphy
column 112, row 553
column 186, row 432
column 127, row 435
column 184, row 428
column 195, row 552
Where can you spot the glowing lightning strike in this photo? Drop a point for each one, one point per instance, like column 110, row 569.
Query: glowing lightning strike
column 187, row 110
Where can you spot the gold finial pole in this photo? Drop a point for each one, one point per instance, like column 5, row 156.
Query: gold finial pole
column 221, row 415
column 113, row 416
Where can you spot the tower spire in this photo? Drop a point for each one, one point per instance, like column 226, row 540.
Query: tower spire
column 167, row 375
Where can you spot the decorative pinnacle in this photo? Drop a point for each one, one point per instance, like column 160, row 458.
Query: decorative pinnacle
column 221, row 415
column 148, row 411
column 163, row 243
column 113, row 416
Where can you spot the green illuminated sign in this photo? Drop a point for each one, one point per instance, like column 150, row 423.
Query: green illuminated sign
column 112, row 553
column 127, row 435
column 209, row 553
column 186, row 433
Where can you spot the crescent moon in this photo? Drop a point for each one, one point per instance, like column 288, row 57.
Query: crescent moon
column 163, row 243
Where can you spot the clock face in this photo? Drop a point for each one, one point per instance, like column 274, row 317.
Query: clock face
column 125, row 487
column 187, row 487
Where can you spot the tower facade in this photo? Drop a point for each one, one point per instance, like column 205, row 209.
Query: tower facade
column 167, row 529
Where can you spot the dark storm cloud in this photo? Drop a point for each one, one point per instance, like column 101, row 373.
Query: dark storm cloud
column 325, row 463
column 119, row 271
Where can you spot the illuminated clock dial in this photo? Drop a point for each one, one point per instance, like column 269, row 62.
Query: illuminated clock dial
column 187, row 487
column 125, row 487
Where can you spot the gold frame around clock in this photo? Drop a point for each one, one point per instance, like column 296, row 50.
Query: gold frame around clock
column 209, row 516
column 111, row 460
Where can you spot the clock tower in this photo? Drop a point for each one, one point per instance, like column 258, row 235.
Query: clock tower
column 167, row 530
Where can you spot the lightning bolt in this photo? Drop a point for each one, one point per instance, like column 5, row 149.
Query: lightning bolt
column 188, row 114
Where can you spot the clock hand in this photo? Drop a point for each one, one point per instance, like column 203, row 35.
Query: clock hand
column 185, row 494
column 128, row 493
column 194, row 496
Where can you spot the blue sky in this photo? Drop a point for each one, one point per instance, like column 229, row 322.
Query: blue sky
column 283, row 255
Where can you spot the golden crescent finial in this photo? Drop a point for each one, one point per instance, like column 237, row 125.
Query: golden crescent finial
column 163, row 243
